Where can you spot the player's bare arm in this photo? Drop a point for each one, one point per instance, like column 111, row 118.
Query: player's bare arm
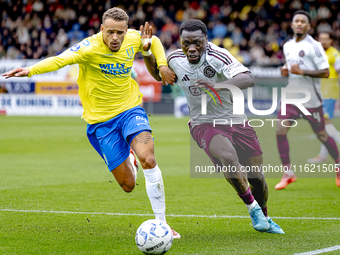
column 242, row 80
column 164, row 74
column 17, row 72
column 324, row 73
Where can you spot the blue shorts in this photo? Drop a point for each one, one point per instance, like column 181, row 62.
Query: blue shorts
column 112, row 138
column 328, row 108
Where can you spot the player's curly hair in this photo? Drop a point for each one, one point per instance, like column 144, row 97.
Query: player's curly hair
column 302, row 12
column 193, row 25
column 116, row 14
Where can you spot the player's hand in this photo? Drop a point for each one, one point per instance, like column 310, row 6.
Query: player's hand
column 295, row 69
column 168, row 75
column 206, row 84
column 17, row 72
column 146, row 32
column 284, row 70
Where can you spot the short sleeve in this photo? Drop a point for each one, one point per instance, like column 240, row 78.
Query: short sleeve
column 234, row 68
column 319, row 57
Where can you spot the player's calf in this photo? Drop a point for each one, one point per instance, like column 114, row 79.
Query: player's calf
column 125, row 176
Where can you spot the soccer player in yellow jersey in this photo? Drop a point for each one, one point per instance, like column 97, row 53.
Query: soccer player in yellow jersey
column 330, row 93
column 111, row 98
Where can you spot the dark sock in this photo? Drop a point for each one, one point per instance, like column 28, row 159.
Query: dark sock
column 264, row 210
column 332, row 148
column 247, row 197
column 283, row 146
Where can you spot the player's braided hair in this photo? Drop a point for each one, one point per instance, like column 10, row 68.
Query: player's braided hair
column 302, row 12
column 116, row 14
column 193, row 25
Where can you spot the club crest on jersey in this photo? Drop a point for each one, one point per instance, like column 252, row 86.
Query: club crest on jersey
column 130, row 52
column 195, row 91
column 209, row 72
column 301, row 53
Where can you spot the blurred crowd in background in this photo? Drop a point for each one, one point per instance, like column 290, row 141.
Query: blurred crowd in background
column 254, row 31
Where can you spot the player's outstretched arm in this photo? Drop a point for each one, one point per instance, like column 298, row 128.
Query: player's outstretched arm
column 324, row 73
column 47, row 65
column 152, row 50
column 17, row 72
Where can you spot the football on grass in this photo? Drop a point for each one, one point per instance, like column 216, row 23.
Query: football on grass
column 154, row 237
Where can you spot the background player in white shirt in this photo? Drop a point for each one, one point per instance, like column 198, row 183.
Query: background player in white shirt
column 200, row 65
column 306, row 64
column 330, row 94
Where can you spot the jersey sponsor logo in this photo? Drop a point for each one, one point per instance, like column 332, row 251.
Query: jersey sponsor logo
column 86, row 43
column 211, row 95
column 115, row 69
column 185, row 78
column 75, row 48
column 302, row 53
column 209, row 71
column 195, row 91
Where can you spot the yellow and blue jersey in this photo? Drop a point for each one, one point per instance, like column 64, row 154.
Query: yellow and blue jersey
column 106, row 88
column 330, row 86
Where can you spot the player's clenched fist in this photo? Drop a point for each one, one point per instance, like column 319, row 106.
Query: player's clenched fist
column 17, row 72
column 295, row 69
column 168, row 76
column 284, row 70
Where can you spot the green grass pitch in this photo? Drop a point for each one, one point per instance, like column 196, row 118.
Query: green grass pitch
column 47, row 165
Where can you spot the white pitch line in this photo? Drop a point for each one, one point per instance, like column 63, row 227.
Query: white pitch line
column 168, row 215
column 333, row 248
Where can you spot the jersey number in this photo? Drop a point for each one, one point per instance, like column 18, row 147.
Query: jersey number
column 316, row 116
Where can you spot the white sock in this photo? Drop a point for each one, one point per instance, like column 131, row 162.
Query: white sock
column 155, row 190
column 323, row 151
column 252, row 205
column 333, row 132
column 287, row 169
column 290, row 172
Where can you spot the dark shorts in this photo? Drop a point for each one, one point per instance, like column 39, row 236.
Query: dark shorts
column 243, row 138
column 316, row 120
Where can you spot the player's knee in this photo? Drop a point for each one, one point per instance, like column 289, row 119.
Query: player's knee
column 148, row 162
column 322, row 136
column 128, row 186
column 280, row 130
column 228, row 158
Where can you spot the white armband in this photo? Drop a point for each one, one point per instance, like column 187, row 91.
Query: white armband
column 146, row 53
column 146, row 41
